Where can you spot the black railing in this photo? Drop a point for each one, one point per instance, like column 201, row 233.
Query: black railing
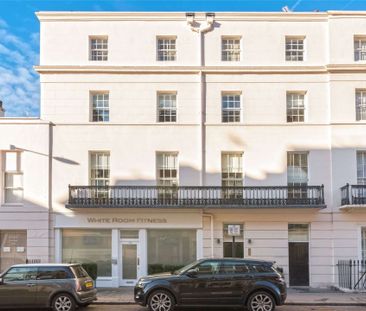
column 352, row 274
column 221, row 197
column 353, row 194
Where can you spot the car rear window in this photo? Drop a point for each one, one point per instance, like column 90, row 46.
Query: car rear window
column 54, row 273
column 80, row 272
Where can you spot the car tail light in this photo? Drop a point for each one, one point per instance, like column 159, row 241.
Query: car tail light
column 78, row 286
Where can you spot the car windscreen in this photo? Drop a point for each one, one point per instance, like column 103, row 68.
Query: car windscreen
column 186, row 268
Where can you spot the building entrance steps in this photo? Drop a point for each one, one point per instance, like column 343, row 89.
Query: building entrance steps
column 295, row 296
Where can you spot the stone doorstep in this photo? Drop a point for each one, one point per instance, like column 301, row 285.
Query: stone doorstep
column 310, row 297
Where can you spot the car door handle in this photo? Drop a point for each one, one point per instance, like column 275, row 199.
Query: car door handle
column 31, row 284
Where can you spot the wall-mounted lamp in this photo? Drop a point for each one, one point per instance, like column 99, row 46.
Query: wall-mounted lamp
column 249, row 241
column 218, row 241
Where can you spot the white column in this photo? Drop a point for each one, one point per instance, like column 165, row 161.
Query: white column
column 143, row 252
column 199, row 243
column 58, row 245
column 115, row 258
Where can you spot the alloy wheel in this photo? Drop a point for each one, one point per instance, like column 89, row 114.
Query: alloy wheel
column 160, row 302
column 261, row 302
column 63, row 303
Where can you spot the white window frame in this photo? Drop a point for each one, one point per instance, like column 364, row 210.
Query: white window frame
column 232, row 181
column 293, row 153
column 166, row 54
column 360, row 105
column 293, row 108
column 297, row 52
column 103, row 50
column 233, row 110
column 101, row 108
column 360, row 51
column 170, row 109
column 167, row 181
column 17, row 171
column 93, row 180
column 231, row 54
column 361, row 180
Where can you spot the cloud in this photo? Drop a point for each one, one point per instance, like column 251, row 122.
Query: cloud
column 19, row 83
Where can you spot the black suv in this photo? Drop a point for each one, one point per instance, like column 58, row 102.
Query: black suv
column 257, row 284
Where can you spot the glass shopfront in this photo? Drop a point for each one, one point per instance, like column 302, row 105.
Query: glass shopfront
column 88, row 246
column 170, row 249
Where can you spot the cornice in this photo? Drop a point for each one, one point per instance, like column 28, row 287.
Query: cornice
column 181, row 69
column 178, row 16
column 331, row 68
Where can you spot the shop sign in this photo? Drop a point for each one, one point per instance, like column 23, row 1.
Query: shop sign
column 122, row 220
column 233, row 230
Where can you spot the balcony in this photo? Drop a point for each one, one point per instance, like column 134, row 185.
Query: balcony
column 195, row 197
column 353, row 195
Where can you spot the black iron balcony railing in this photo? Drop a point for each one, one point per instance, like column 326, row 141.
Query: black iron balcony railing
column 353, row 194
column 195, row 197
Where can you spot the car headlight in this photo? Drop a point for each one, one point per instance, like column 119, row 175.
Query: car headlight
column 143, row 283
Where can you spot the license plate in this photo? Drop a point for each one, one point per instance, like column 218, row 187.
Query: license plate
column 88, row 284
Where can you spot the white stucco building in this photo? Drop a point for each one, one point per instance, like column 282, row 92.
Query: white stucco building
column 271, row 103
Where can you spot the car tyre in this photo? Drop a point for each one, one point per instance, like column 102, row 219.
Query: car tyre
column 63, row 302
column 161, row 300
column 261, row 301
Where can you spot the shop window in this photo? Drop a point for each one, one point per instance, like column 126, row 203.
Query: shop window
column 234, row 240
column 88, row 246
column 170, row 249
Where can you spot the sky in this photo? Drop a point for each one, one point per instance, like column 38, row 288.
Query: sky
column 19, row 34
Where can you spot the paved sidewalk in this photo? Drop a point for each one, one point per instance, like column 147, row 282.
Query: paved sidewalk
column 306, row 296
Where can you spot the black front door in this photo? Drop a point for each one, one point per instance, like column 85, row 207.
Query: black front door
column 299, row 263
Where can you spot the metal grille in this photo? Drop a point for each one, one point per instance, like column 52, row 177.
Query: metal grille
column 295, row 107
column 100, row 107
column 360, row 48
column 167, row 107
column 230, row 49
column 294, row 49
column 230, row 108
column 166, row 49
column 99, row 49
column 360, row 105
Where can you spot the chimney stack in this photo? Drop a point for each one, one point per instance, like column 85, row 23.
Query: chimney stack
column 2, row 110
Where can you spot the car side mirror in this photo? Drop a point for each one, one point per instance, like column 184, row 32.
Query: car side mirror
column 192, row 273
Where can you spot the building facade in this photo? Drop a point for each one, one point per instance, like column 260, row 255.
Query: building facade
column 166, row 137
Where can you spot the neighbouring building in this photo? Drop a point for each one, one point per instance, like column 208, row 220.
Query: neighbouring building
column 166, row 137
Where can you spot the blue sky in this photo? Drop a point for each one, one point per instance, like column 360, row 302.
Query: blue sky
column 19, row 34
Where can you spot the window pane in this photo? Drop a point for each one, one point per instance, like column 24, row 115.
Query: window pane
column 11, row 161
column 168, row 249
column 13, row 195
column 88, row 246
column 298, row 233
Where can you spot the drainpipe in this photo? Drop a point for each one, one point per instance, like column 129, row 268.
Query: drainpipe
column 201, row 29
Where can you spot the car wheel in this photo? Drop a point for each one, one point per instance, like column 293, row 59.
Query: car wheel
column 63, row 302
column 161, row 300
column 261, row 301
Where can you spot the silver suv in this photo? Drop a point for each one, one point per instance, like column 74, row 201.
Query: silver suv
column 59, row 286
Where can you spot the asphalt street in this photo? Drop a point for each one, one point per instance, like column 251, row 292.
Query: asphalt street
column 283, row 308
